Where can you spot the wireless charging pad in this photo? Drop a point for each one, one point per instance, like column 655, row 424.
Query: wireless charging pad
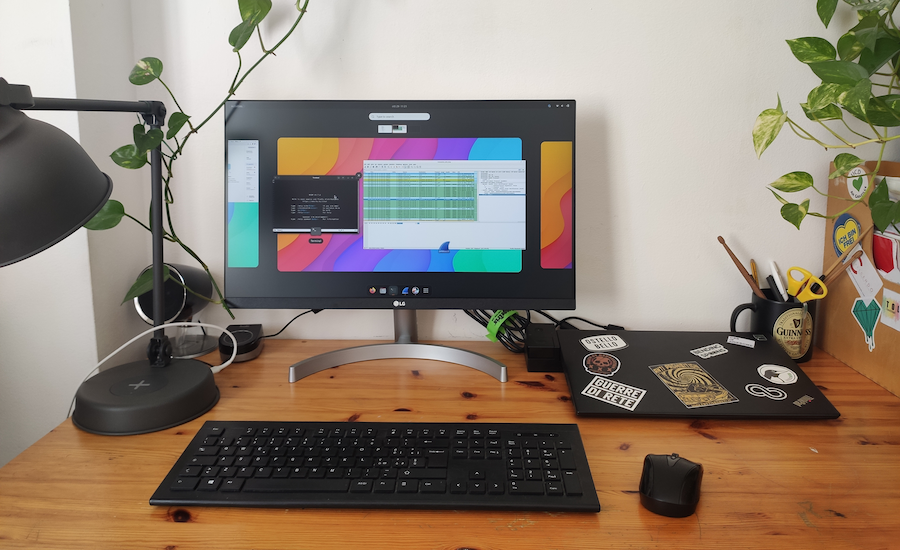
column 136, row 398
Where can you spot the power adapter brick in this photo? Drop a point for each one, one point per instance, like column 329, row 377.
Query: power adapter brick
column 542, row 348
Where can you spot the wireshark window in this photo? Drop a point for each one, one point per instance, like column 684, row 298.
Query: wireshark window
column 452, row 204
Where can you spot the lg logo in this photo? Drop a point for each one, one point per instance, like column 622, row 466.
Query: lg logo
column 398, row 303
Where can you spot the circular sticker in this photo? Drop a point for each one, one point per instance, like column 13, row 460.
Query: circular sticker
column 845, row 234
column 857, row 183
column 601, row 364
column 777, row 374
column 786, row 332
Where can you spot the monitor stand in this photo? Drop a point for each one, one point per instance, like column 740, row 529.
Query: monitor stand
column 405, row 346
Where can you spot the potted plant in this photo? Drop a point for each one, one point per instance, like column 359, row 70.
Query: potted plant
column 179, row 129
column 856, row 104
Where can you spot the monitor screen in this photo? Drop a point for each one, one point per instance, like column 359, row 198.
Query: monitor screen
column 388, row 204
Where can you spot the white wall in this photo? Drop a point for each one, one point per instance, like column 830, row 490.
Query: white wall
column 667, row 94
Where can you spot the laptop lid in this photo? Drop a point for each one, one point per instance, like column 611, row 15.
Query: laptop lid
column 686, row 374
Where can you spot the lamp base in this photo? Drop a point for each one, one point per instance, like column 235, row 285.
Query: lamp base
column 136, row 398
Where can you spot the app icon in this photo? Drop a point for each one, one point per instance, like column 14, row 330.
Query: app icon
column 393, row 290
column 405, row 290
column 372, row 290
column 415, row 290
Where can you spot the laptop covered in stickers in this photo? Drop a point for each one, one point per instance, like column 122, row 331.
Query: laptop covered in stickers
column 687, row 374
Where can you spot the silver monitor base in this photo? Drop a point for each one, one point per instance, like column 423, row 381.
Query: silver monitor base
column 405, row 346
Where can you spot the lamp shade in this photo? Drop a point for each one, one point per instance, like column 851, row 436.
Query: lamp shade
column 49, row 186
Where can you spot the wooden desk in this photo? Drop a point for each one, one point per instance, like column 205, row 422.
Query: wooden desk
column 822, row 484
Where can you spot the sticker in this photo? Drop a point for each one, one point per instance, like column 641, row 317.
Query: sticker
column 845, row 234
column 857, row 183
column 692, row 385
column 758, row 390
column 805, row 400
column 864, row 276
column 777, row 374
column 890, row 309
column 603, row 342
column 738, row 341
column 709, row 351
column 866, row 313
column 793, row 331
column 601, row 364
column 614, row 393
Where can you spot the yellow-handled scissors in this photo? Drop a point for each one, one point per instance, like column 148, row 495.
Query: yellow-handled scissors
column 804, row 285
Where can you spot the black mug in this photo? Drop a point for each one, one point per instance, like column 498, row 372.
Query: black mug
column 783, row 322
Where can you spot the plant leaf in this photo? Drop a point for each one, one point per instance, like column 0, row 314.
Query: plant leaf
column 766, row 128
column 849, row 47
column 839, row 72
column 843, row 163
column 831, row 112
column 885, row 49
column 856, row 99
column 176, row 121
column 824, row 95
column 812, row 49
column 881, row 206
column 108, row 217
column 825, row 9
column 868, row 31
column 795, row 213
column 252, row 14
column 146, row 141
column 127, row 156
column 793, row 182
column 146, row 71
column 144, row 284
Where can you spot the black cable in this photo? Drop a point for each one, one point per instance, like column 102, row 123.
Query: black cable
column 314, row 311
column 605, row 327
column 513, row 334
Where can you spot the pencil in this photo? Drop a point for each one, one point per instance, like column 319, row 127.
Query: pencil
column 743, row 271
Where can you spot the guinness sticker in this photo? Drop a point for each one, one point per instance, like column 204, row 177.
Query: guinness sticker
column 786, row 332
column 601, row 364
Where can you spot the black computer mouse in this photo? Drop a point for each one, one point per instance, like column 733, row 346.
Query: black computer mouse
column 670, row 485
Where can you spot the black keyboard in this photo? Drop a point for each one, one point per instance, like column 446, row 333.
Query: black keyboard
column 383, row 465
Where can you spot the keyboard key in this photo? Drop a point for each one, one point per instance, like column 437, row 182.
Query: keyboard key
column 257, row 485
column 526, row 488
column 433, row 486
column 361, row 486
column 572, row 483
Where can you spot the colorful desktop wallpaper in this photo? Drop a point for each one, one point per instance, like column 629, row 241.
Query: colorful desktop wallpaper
column 344, row 252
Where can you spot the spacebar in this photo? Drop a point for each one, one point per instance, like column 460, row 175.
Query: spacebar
column 261, row 485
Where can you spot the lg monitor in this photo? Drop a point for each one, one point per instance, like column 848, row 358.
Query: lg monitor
column 400, row 205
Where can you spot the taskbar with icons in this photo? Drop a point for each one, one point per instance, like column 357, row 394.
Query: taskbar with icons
column 399, row 290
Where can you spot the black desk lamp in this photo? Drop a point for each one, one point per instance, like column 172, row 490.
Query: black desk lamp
column 49, row 187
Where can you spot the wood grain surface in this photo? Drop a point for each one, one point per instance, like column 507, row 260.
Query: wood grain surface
column 767, row 484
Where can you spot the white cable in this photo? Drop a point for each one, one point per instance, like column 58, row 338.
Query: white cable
column 215, row 369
